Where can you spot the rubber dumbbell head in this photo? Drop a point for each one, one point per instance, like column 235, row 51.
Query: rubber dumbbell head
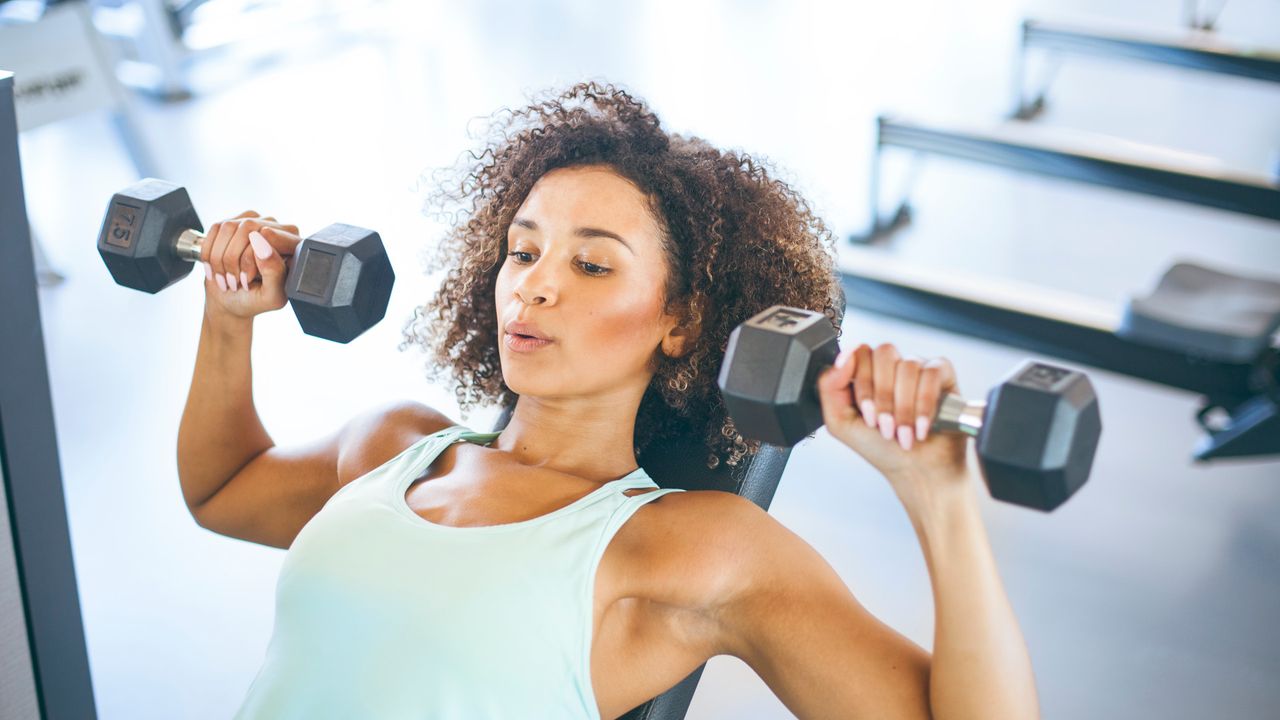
column 139, row 235
column 340, row 282
column 1038, row 435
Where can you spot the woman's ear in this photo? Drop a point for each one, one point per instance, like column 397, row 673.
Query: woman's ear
column 678, row 341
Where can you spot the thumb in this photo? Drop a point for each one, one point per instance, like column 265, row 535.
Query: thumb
column 270, row 263
column 835, row 392
column 843, row 420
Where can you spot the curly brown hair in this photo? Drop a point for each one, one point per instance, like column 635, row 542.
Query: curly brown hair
column 735, row 239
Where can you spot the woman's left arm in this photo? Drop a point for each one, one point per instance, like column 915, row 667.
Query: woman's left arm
column 980, row 666
column 881, row 405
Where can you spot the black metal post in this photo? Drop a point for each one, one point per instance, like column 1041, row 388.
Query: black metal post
column 45, row 673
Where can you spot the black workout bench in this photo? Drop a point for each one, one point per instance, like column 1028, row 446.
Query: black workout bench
column 1200, row 330
column 1073, row 155
column 1194, row 50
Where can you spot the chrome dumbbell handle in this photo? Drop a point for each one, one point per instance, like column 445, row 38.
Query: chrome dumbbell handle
column 959, row 415
column 189, row 244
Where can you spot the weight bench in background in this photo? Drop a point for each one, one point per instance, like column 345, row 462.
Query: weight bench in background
column 1200, row 330
column 1194, row 50
column 1072, row 155
column 682, row 464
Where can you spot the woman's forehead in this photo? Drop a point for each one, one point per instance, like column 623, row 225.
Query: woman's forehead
column 589, row 195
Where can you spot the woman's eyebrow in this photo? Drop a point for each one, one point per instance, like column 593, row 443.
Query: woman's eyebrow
column 585, row 232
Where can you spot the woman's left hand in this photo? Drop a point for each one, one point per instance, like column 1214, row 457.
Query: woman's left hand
column 882, row 406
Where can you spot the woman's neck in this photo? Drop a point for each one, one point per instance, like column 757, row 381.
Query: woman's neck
column 586, row 437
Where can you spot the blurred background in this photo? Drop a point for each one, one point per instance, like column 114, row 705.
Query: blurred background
column 1155, row 592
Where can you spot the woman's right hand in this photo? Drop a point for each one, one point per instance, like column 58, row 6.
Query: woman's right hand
column 247, row 248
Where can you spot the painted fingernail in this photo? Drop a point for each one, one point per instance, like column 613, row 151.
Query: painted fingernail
column 869, row 413
column 222, row 281
column 208, row 271
column 261, row 247
column 244, row 280
column 231, row 280
column 843, row 358
column 904, row 437
column 922, row 428
column 886, row 426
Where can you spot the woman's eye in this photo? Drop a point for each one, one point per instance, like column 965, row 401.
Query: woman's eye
column 524, row 258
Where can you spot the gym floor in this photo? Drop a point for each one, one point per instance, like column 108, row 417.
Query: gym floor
column 1155, row 592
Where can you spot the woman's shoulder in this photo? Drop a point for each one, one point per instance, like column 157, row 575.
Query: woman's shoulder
column 684, row 546
column 381, row 433
column 414, row 417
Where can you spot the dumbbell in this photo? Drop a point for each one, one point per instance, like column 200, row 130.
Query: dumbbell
column 1036, row 433
column 339, row 279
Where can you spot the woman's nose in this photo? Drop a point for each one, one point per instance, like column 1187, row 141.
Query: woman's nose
column 537, row 287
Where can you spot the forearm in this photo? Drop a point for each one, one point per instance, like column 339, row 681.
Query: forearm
column 980, row 667
column 220, row 431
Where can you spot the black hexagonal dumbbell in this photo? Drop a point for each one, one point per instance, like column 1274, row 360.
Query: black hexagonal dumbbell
column 1036, row 433
column 339, row 279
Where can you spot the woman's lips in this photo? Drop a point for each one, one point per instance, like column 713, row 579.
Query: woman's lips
column 524, row 343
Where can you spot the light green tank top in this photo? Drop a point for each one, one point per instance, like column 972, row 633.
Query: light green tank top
column 383, row 614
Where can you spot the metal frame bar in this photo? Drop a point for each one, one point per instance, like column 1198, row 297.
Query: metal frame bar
column 43, row 565
column 1194, row 52
column 1235, row 192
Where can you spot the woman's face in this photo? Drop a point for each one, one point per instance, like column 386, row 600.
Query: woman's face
column 586, row 270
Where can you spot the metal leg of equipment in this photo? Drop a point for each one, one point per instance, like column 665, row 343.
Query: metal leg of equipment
column 1197, row 50
column 45, row 668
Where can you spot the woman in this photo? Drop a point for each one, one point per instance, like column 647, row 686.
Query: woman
column 596, row 272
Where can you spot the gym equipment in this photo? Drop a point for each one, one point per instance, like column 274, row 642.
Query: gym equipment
column 56, row 86
column 158, row 41
column 1193, row 50
column 1201, row 330
column 1073, row 155
column 1037, row 432
column 339, row 279
column 75, row 80
column 1196, row 20
column 44, row 662
column 1214, row 314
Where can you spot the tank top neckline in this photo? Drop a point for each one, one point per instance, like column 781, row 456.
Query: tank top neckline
column 635, row 479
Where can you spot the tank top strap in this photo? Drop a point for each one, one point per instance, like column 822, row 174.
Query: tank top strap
column 627, row 505
column 482, row 438
column 455, row 432
column 426, row 450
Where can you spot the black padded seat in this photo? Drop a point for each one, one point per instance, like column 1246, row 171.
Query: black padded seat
column 1206, row 312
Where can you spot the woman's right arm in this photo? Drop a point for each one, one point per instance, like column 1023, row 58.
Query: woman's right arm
column 220, row 431
column 234, row 479
column 220, row 437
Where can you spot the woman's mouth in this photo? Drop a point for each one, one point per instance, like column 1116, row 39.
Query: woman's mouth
column 524, row 343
